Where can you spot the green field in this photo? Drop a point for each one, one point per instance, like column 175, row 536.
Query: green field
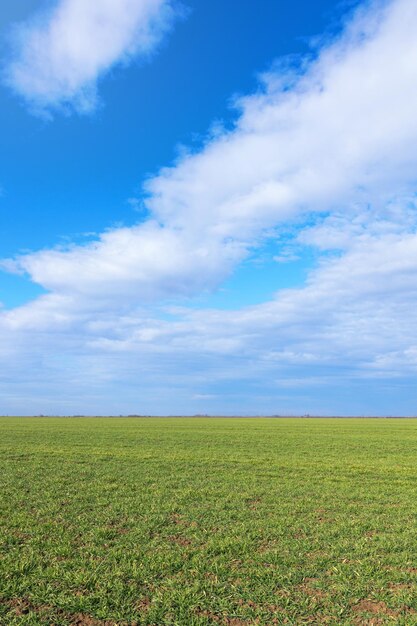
column 208, row 521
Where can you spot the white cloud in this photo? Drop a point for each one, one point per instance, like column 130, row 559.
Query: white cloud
column 343, row 136
column 354, row 322
column 139, row 263
column 59, row 56
column 333, row 154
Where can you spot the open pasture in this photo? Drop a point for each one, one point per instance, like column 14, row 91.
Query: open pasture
column 208, row 521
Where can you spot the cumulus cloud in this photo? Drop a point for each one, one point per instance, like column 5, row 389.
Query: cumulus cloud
column 139, row 263
column 331, row 149
column 60, row 54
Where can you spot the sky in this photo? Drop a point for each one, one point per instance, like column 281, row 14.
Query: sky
column 208, row 207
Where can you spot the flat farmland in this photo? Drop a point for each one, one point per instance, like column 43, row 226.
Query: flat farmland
column 176, row 521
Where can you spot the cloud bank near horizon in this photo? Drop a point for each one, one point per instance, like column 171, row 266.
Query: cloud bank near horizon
column 328, row 151
column 59, row 55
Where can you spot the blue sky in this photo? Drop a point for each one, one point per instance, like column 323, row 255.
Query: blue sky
column 67, row 177
column 208, row 208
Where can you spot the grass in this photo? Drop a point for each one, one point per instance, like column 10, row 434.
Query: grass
column 208, row 521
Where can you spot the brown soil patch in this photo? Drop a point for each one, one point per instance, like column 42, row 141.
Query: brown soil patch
column 398, row 568
column 299, row 534
column 379, row 609
column 178, row 520
column 118, row 527
column 250, row 604
column 179, row 541
column 323, row 516
column 307, row 588
column 317, row 554
column 18, row 534
column 371, row 606
column 143, row 604
column 252, row 503
column 20, row 606
column 398, row 587
column 267, row 546
column 23, row 606
column 224, row 620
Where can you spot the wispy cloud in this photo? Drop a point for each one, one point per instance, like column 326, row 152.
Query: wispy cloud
column 60, row 54
column 332, row 150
